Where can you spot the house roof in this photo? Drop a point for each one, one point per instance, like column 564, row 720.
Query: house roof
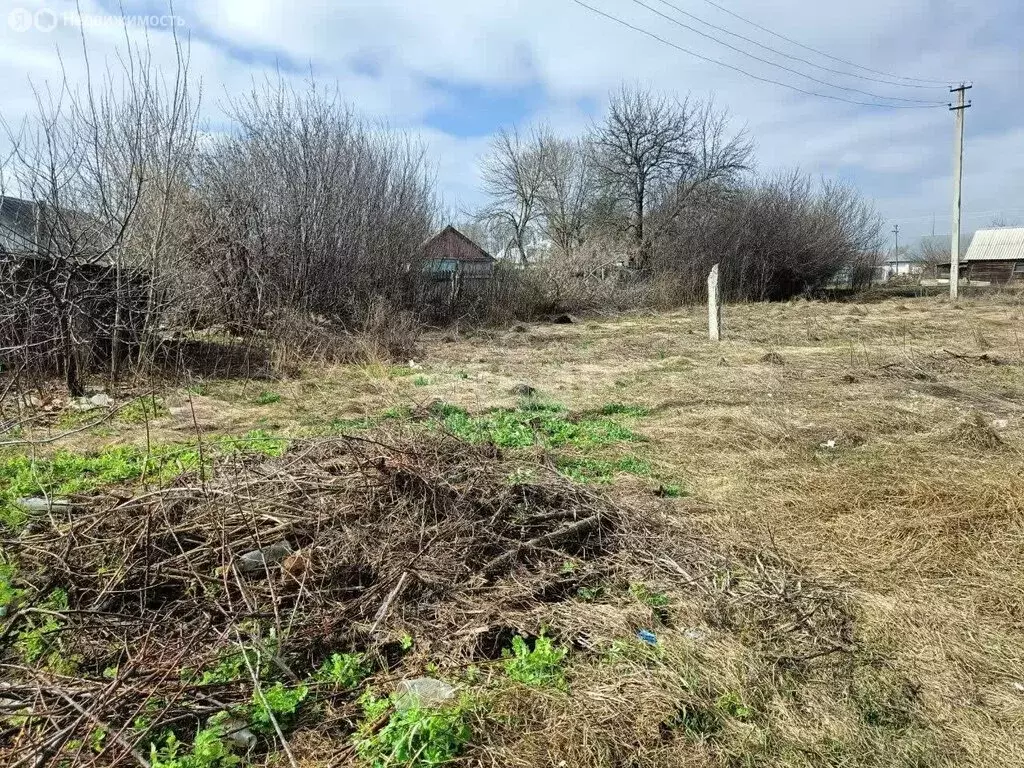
column 1003, row 244
column 449, row 243
column 17, row 224
column 24, row 222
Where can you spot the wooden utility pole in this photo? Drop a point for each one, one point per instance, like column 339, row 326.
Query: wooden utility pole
column 714, row 305
column 958, row 162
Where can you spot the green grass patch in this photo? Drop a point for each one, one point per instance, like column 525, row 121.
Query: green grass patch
column 256, row 441
column 420, row 381
column 268, row 398
column 532, row 423
column 71, row 419
column 141, row 410
column 590, row 470
column 66, row 472
column 670, row 491
column 9, row 594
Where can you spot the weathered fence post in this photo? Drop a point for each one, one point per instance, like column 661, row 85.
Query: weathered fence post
column 714, row 306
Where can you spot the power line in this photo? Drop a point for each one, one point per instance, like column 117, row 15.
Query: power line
column 966, row 214
column 808, row 62
column 820, row 53
column 751, row 75
column 770, row 63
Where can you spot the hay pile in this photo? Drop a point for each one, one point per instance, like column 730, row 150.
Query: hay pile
column 363, row 545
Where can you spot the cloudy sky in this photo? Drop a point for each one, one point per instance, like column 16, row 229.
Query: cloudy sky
column 455, row 71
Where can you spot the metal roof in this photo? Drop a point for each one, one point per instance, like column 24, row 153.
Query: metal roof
column 1004, row 244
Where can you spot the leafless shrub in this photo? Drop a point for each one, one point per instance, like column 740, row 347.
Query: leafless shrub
column 313, row 209
column 102, row 171
column 773, row 238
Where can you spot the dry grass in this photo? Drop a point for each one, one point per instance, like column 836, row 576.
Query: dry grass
column 880, row 465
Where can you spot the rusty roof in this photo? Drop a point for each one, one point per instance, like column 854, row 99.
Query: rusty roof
column 449, row 243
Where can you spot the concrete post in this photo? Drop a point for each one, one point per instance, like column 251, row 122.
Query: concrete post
column 714, row 306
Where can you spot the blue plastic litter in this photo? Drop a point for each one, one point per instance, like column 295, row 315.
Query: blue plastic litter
column 647, row 636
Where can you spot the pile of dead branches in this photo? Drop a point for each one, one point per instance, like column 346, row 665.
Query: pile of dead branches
column 342, row 545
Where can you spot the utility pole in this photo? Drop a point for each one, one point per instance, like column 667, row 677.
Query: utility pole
column 896, row 251
column 958, row 162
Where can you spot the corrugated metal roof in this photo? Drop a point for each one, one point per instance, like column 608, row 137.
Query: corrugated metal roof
column 1004, row 244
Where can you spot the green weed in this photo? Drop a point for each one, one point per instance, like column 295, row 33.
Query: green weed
column 9, row 594
column 346, row 670
column 731, row 704
column 40, row 635
column 590, row 594
column 697, row 721
column 372, row 705
column 647, row 596
column 540, row 666
column 420, row 381
column 281, row 701
column 414, row 738
column 209, row 750
column 670, row 491
column 268, row 398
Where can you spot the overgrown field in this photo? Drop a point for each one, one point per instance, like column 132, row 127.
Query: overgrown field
column 614, row 542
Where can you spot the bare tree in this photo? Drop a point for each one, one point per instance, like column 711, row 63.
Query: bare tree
column 513, row 179
column 651, row 148
column 567, row 189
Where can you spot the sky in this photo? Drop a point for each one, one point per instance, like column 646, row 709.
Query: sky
column 453, row 73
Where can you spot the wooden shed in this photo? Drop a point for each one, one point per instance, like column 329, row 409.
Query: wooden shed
column 994, row 256
column 450, row 252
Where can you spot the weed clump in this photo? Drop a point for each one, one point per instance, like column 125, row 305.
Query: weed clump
column 414, row 737
column 538, row 666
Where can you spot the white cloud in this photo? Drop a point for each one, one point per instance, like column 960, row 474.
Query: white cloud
column 400, row 60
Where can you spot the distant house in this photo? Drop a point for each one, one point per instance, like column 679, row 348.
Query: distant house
column 892, row 267
column 994, row 256
column 59, row 289
column 450, row 254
